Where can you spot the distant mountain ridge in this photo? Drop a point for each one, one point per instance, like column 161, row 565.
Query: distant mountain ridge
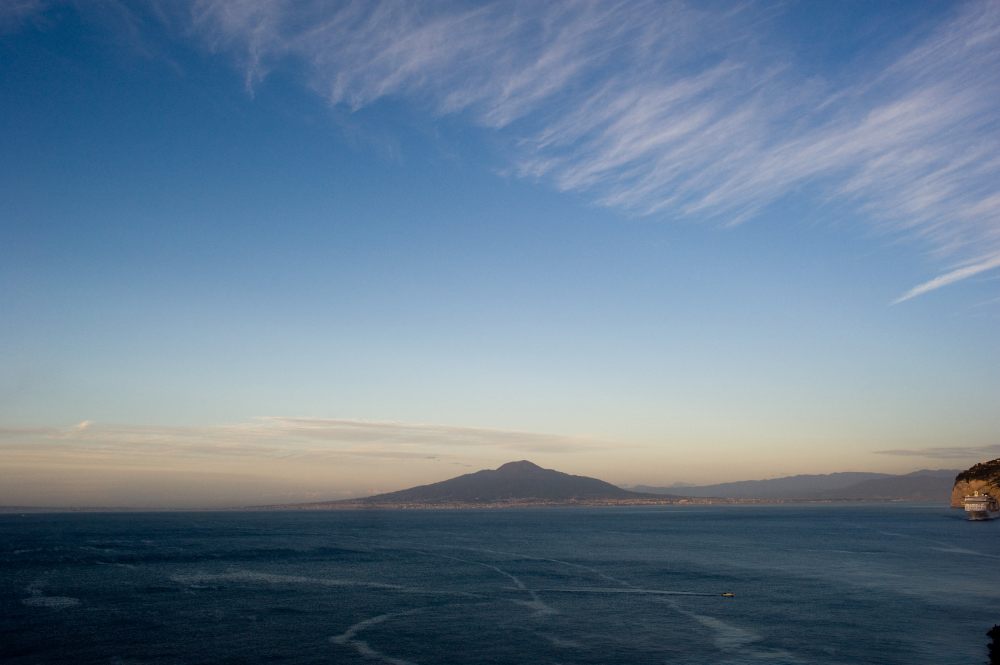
column 526, row 484
column 925, row 485
column 917, row 486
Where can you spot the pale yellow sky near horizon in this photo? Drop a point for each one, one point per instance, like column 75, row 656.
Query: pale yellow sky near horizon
column 286, row 460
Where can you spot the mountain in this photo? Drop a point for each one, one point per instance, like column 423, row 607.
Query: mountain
column 917, row 486
column 858, row 486
column 982, row 477
column 790, row 487
column 514, row 483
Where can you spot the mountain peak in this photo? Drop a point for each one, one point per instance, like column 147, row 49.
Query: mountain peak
column 524, row 467
column 513, row 483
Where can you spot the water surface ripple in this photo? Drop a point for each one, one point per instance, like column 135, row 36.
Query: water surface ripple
column 816, row 583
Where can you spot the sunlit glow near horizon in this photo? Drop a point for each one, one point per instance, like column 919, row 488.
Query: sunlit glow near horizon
column 259, row 251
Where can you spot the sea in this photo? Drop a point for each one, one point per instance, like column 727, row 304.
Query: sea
column 905, row 583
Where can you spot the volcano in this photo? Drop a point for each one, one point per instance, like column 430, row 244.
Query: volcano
column 514, row 483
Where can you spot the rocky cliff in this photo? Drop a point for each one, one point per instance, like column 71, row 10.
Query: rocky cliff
column 984, row 477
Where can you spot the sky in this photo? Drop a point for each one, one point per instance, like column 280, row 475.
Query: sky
column 265, row 251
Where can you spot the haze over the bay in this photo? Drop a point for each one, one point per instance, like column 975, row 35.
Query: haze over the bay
column 265, row 251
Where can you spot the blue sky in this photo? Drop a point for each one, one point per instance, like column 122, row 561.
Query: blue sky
column 272, row 250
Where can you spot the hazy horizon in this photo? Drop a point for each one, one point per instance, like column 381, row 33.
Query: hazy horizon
column 232, row 490
column 261, row 251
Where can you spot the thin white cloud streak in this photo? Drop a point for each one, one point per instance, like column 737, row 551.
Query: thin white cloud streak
column 393, row 433
column 951, row 277
column 667, row 108
column 286, row 438
column 955, row 452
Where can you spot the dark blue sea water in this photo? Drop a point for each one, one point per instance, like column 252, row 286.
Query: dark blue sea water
column 827, row 583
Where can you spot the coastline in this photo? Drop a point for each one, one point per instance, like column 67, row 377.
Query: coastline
column 361, row 505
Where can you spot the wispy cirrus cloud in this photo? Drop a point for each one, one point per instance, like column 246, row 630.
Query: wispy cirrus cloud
column 680, row 109
column 13, row 13
column 287, row 438
column 672, row 108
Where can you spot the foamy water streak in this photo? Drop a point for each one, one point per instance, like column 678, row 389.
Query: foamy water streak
column 536, row 604
column 649, row 592
column 362, row 647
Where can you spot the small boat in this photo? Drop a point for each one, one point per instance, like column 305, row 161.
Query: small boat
column 982, row 506
column 728, row 594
